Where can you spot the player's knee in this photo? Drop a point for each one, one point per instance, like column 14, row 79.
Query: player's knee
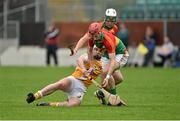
column 119, row 80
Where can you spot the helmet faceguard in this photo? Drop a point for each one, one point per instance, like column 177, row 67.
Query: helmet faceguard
column 110, row 18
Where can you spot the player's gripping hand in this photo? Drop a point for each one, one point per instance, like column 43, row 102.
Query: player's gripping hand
column 85, row 72
column 73, row 51
column 105, row 81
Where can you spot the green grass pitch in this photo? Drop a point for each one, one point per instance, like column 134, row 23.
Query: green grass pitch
column 150, row 94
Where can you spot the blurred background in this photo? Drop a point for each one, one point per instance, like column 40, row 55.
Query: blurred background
column 24, row 25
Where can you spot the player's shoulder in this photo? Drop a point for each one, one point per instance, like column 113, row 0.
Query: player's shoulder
column 107, row 34
column 105, row 31
column 115, row 29
column 115, row 26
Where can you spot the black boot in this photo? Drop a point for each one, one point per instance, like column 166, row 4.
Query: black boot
column 30, row 98
column 100, row 95
column 42, row 104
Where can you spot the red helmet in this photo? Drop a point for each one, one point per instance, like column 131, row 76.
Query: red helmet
column 95, row 27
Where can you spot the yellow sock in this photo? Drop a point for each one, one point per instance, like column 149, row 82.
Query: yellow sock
column 58, row 104
column 54, row 104
column 38, row 95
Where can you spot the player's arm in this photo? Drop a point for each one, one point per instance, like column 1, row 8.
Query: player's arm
column 83, row 40
column 81, row 62
column 110, row 69
column 90, row 49
column 111, row 65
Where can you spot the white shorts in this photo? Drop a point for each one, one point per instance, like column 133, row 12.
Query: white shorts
column 77, row 88
column 120, row 58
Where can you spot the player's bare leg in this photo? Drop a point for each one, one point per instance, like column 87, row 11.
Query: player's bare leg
column 111, row 82
column 114, row 80
column 118, row 77
column 110, row 86
column 73, row 101
column 63, row 85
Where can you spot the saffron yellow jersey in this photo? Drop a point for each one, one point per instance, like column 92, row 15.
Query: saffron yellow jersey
column 94, row 70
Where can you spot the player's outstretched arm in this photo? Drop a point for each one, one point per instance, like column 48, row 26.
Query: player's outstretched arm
column 80, row 43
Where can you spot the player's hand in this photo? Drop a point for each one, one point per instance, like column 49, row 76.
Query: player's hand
column 85, row 75
column 105, row 82
column 84, row 71
column 72, row 52
column 88, row 72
